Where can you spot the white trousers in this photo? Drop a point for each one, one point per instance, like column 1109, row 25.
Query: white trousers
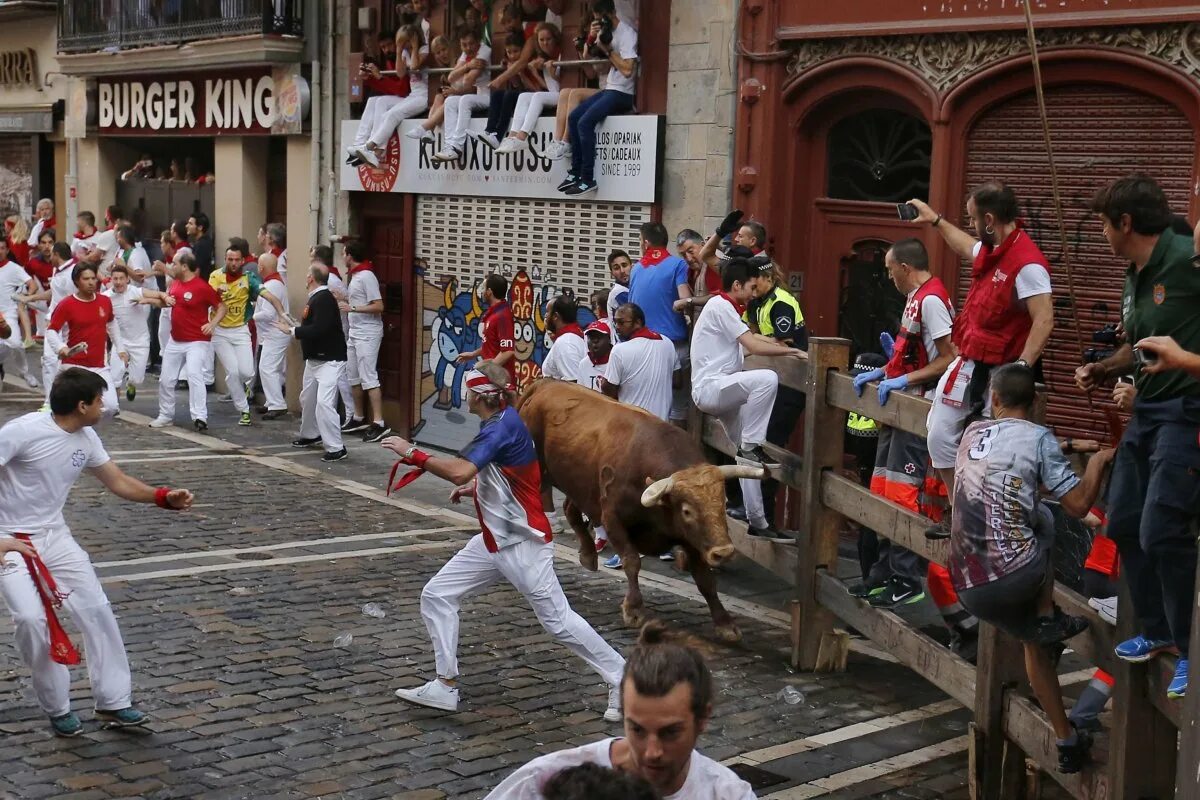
column 458, row 109
column 362, row 363
column 12, row 350
column 272, row 368
column 952, row 406
column 742, row 402
column 529, row 567
column 529, row 108
column 232, row 346
column 318, row 403
column 188, row 359
column 164, row 330
column 135, row 373
column 108, row 401
column 373, row 111
column 414, row 105
column 107, row 665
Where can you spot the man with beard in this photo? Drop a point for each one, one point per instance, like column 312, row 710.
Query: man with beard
column 1007, row 317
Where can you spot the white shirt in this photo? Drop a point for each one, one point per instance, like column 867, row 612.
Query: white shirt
column 39, row 463
column 419, row 80
column 106, row 241
column 1032, row 280
column 363, row 290
column 588, row 374
column 138, row 260
column 61, row 285
column 715, row 349
column 13, row 280
column 936, row 321
column 706, row 779
column 642, row 368
column 618, row 295
column 624, row 44
column 132, row 318
column 264, row 313
column 562, row 362
column 485, row 77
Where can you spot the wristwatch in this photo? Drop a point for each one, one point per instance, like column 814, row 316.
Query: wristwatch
column 408, row 454
column 1022, row 362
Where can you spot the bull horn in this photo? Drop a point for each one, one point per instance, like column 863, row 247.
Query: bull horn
column 742, row 471
column 655, row 491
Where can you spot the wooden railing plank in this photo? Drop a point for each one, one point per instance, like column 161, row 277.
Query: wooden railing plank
column 1026, row 725
column 792, row 372
column 895, row 522
column 779, row 557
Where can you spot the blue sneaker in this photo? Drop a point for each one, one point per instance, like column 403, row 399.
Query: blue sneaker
column 1178, row 687
column 614, row 562
column 122, row 718
column 68, row 725
column 1139, row 649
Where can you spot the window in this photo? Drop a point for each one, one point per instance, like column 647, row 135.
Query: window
column 879, row 155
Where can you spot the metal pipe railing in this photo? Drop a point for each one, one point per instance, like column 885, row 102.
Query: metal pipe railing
column 589, row 62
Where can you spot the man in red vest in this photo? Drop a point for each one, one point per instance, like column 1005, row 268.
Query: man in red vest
column 1007, row 317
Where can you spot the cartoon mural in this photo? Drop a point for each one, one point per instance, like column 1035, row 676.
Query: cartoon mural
column 451, row 322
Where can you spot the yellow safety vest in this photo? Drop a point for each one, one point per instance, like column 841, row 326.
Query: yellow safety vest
column 859, row 425
column 763, row 316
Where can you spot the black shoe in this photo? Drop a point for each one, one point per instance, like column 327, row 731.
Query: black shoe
column 261, row 409
column 899, row 592
column 1072, row 757
column 1058, row 628
column 965, row 644
column 869, row 588
column 376, row 433
column 276, row 414
column 755, row 456
column 200, row 425
column 353, row 425
column 210, row 387
column 303, row 442
column 738, row 513
column 181, row 386
column 770, row 532
column 336, row 455
column 580, row 188
column 939, row 531
column 570, row 181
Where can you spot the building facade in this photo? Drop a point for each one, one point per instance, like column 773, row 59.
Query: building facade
column 846, row 109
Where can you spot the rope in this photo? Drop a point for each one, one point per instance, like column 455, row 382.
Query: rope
column 1058, row 206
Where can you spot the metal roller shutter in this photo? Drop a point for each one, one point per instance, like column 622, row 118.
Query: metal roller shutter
column 1099, row 133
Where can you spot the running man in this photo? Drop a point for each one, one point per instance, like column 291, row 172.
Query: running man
column 41, row 457
column 81, row 329
column 499, row 469
column 133, row 319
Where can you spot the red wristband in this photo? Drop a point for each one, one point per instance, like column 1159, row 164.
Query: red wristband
column 160, row 497
column 418, row 459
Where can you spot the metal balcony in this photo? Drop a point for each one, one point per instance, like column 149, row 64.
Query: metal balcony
column 86, row 26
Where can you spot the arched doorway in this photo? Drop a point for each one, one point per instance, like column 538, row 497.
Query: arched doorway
column 1100, row 132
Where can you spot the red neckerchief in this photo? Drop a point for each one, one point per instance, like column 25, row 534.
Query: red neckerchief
column 61, row 649
column 596, row 363
column 50, row 223
column 277, row 251
column 335, row 271
column 992, row 257
column 741, row 309
column 364, row 266
column 493, row 310
column 572, row 328
column 643, row 333
column 274, row 276
column 232, row 278
column 89, row 236
column 654, row 255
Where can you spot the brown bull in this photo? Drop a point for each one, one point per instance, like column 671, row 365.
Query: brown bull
column 643, row 479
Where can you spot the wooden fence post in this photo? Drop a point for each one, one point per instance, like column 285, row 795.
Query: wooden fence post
column 824, row 429
column 1142, row 742
column 1187, row 781
column 998, row 766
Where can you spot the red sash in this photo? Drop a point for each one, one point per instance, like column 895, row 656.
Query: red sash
column 61, row 649
column 643, row 333
column 572, row 328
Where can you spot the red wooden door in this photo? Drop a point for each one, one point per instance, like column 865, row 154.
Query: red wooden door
column 385, row 238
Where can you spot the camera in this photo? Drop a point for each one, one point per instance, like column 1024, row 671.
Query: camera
column 585, row 44
column 1108, row 335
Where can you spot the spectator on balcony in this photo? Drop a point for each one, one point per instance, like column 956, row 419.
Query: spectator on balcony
column 612, row 39
column 410, row 67
column 421, row 12
column 1008, row 580
column 473, row 68
column 143, row 169
column 548, row 38
column 506, row 94
column 443, row 56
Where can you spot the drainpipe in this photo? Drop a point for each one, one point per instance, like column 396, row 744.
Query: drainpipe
column 328, row 121
column 316, row 118
column 72, row 177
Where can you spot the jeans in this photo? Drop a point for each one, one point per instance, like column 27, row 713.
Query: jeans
column 500, row 112
column 582, row 127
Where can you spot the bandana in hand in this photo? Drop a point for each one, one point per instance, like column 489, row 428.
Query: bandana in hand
column 61, row 649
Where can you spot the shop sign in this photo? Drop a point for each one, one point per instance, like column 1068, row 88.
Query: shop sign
column 18, row 68
column 236, row 103
column 628, row 154
column 27, row 121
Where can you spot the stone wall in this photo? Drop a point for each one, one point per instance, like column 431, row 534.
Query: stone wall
column 700, row 113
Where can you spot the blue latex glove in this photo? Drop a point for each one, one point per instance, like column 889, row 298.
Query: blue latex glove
column 888, row 344
column 891, row 385
column 863, row 378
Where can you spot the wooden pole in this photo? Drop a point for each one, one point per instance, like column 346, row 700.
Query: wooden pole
column 824, row 429
column 999, row 765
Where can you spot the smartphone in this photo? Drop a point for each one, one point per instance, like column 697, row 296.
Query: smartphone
column 1143, row 358
column 77, row 349
column 907, row 211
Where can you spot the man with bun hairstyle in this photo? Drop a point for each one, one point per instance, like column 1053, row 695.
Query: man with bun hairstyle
column 667, row 691
column 499, row 470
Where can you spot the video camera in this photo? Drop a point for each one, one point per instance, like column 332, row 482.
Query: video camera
column 1110, row 336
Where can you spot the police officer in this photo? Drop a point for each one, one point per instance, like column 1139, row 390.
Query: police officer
column 1154, row 499
column 861, row 440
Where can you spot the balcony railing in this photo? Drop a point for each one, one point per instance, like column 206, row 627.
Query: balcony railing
column 94, row 25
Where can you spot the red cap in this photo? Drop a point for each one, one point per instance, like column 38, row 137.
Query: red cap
column 599, row 325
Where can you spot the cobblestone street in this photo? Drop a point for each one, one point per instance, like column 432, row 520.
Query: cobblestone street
column 230, row 614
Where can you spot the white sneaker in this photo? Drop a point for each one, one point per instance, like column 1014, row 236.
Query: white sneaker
column 449, row 154
column 368, row 155
column 161, row 422
column 434, row 694
column 557, row 151
column 488, row 138
column 419, row 134
column 511, row 145
column 1106, row 607
column 30, row 381
column 613, row 712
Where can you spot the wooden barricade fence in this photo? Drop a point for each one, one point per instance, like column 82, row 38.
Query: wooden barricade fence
column 1009, row 730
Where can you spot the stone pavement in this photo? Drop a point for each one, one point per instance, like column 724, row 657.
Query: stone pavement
column 230, row 612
